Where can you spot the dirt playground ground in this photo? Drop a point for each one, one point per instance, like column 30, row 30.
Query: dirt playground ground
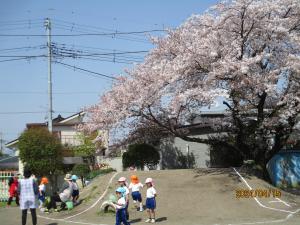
column 204, row 197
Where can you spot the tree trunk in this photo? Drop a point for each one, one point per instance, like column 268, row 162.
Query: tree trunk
column 82, row 181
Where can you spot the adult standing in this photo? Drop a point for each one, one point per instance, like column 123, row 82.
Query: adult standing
column 28, row 190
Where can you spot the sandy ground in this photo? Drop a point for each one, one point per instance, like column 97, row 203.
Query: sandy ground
column 204, row 197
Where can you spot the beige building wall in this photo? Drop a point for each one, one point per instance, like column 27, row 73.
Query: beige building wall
column 21, row 165
column 170, row 148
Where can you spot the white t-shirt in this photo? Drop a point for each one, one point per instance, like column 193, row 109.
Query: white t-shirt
column 151, row 192
column 126, row 190
column 121, row 203
column 42, row 187
column 135, row 187
column 75, row 186
column 67, row 193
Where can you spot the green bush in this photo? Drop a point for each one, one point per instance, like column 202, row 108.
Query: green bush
column 140, row 155
column 41, row 151
column 91, row 175
column 81, row 170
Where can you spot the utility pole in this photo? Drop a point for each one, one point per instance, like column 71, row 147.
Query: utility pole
column 48, row 28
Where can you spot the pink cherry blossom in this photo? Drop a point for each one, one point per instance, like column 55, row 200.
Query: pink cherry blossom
column 244, row 51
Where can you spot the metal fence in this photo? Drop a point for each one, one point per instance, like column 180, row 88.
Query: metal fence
column 4, row 178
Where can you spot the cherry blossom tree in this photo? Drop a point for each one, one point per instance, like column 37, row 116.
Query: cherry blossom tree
column 246, row 52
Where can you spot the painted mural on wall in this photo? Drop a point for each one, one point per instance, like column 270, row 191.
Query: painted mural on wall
column 284, row 169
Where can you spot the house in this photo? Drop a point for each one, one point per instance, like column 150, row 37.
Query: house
column 9, row 163
column 65, row 129
column 8, row 167
column 112, row 157
column 174, row 149
column 175, row 152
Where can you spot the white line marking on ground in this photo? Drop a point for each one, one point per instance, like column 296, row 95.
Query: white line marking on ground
column 76, row 222
column 268, row 221
column 69, row 221
column 273, row 201
column 92, row 206
column 290, row 213
column 258, row 202
column 280, row 201
column 99, row 199
column 285, row 203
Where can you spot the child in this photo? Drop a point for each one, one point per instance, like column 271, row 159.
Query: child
column 13, row 187
column 75, row 193
column 120, row 206
column 135, row 186
column 28, row 191
column 122, row 182
column 150, row 202
column 42, row 190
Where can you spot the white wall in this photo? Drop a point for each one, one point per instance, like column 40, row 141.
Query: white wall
column 21, row 165
column 115, row 163
column 70, row 137
column 200, row 151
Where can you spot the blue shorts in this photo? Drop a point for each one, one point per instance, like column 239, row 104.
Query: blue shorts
column 121, row 217
column 150, row 203
column 75, row 193
column 136, row 196
column 41, row 196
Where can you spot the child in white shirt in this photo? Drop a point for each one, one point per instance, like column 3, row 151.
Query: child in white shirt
column 135, row 186
column 75, row 193
column 120, row 206
column 122, row 182
column 42, row 191
column 150, row 201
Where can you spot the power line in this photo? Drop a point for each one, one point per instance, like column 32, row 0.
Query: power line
column 22, row 56
column 86, row 34
column 115, row 58
column 127, row 57
column 87, row 47
column 21, row 28
column 132, row 37
column 21, row 48
column 25, row 112
column 83, row 27
column 111, row 60
column 19, row 21
column 7, row 60
column 44, row 92
column 75, row 53
column 85, row 70
column 71, row 24
column 32, row 112
column 116, row 53
column 99, row 54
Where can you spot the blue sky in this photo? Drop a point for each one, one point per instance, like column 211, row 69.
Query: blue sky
column 23, row 83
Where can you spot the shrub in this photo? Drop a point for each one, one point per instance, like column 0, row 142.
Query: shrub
column 95, row 173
